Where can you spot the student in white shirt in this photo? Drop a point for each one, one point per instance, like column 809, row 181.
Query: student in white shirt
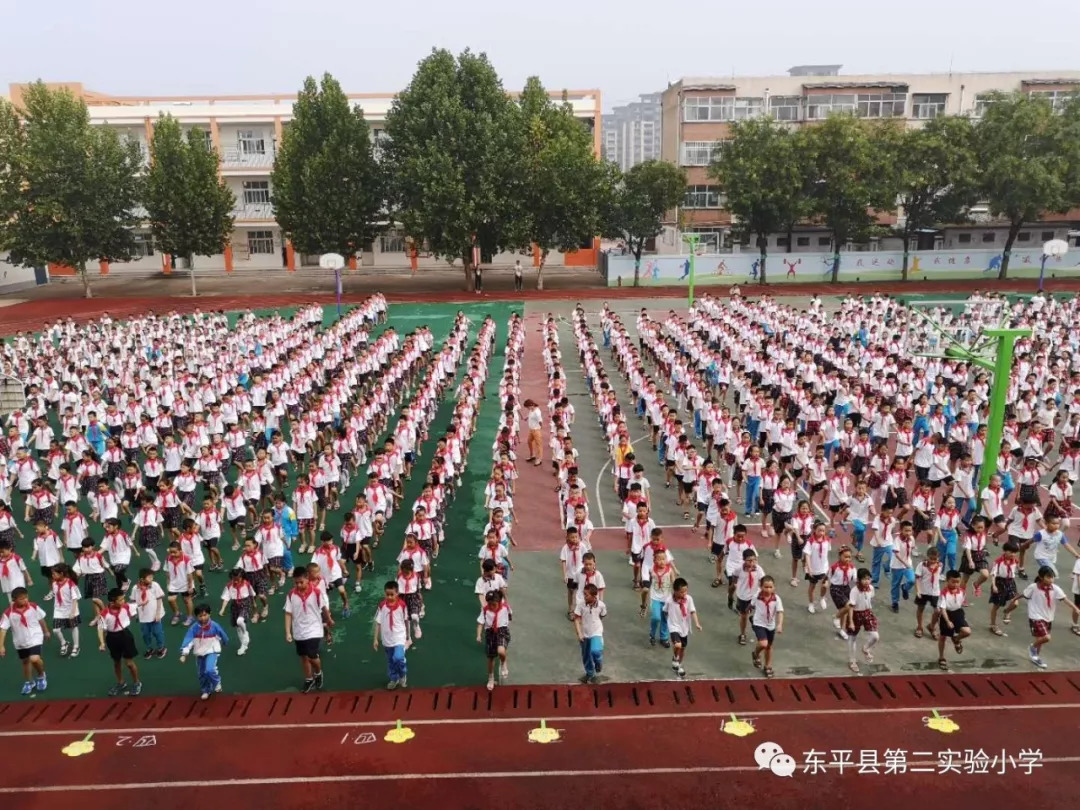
column 307, row 614
column 588, row 622
column 681, row 612
column 26, row 623
column 1042, row 597
column 392, row 631
column 493, row 630
column 767, row 621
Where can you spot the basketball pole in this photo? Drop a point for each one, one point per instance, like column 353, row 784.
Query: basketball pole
column 692, row 240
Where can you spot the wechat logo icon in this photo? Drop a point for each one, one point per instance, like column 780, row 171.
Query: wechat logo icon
column 771, row 757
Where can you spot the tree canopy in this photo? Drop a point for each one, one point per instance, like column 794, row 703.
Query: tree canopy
column 189, row 207
column 327, row 188
column 638, row 200
column 78, row 186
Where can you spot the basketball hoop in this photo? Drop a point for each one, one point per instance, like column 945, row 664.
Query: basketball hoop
column 12, row 394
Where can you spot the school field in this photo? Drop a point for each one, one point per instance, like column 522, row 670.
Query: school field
column 447, row 741
column 544, row 649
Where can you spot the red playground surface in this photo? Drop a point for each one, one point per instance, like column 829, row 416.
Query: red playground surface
column 851, row 742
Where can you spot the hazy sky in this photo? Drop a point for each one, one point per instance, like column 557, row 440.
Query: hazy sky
column 623, row 47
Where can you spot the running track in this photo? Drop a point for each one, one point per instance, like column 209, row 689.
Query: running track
column 622, row 745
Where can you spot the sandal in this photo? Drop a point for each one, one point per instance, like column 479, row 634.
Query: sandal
column 641, row 613
column 768, row 672
column 943, row 665
column 742, row 639
column 869, row 656
column 756, row 656
column 853, row 666
column 997, row 631
column 1075, row 630
column 918, row 633
column 716, row 583
column 959, row 645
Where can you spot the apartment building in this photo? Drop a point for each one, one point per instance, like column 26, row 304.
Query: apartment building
column 631, row 132
column 246, row 131
column 697, row 113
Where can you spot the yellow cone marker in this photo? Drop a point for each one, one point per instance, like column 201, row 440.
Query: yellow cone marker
column 79, row 747
column 544, row 734
column 738, row 728
column 945, row 725
column 399, row 734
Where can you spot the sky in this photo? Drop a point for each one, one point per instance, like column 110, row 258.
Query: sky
column 622, row 47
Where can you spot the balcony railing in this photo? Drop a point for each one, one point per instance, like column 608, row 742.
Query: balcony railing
column 233, row 157
column 257, row 211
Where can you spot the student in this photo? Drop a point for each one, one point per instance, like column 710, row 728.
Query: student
column 239, row 597
column 928, row 576
column 490, row 580
column 881, row 541
column 408, row 582
column 205, row 638
column 662, row 576
column 589, row 575
column 116, row 624
column 180, row 576
column 588, row 622
column 952, row 623
column 332, row 569
column 860, row 616
column 392, row 630
column 1047, row 542
column 901, row 566
column 26, row 623
column 570, row 563
column 149, row 601
column 65, row 593
column 1042, row 597
column 306, row 614
column 13, row 573
column 746, row 589
column 681, row 611
column 816, row 567
column 493, row 629
column 841, row 578
column 768, row 622
column 1003, row 585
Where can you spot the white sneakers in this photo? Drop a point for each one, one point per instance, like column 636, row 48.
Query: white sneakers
column 242, row 650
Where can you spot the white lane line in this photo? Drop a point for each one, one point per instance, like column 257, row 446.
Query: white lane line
column 452, row 776
column 533, row 721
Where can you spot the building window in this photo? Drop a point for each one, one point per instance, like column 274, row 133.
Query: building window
column 1024, row 236
column 982, row 101
column 256, row 192
column 1057, row 98
column 250, row 142
column 824, row 241
column 144, row 244
column 392, row 242
column 928, row 105
column 1047, row 236
column 698, row 153
column 785, row 108
column 702, row 197
column 819, row 107
column 708, row 108
column 881, row 105
column 781, row 241
column 802, row 241
column 260, row 242
column 989, row 237
column 964, row 238
column 204, row 135
column 749, row 107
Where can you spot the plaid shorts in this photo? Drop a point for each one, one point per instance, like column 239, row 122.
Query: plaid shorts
column 1039, row 628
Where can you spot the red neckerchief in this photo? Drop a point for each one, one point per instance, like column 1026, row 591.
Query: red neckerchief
column 682, row 606
column 22, row 613
column 1046, row 589
column 304, row 596
column 750, row 576
column 4, row 565
column 1026, row 516
column 495, row 616
column 846, row 569
column 767, row 602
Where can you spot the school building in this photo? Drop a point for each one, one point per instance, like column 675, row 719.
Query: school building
column 246, row 130
column 697, row 113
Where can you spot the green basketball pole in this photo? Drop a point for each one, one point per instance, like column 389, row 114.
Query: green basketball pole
column 692, row 240
column 993, row 352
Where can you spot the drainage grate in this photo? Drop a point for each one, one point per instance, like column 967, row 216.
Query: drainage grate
column 526, row 701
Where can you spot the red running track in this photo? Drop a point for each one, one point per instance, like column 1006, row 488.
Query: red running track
column 625, row 746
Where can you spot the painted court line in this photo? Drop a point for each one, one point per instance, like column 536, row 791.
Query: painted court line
column 458, row 775
column 75, row 731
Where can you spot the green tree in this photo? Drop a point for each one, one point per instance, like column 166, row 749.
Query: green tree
column 934, row 172
column 326, row 187
column 762, row 172
column 452, row 148
column 188, row 205
column 12, row 147
column 1025, row 155
column 78, row 187
column 850, row 179
column 637, row 202
column 562, row 185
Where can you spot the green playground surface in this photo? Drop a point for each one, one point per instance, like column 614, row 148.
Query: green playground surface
column 446, row 655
